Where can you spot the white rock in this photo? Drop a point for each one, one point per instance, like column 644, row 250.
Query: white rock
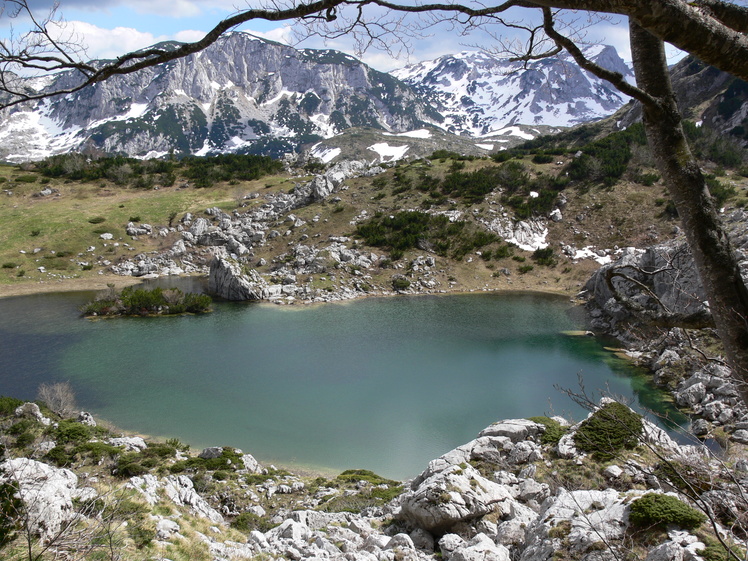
column 131, row 443
column 480, row 548
column 47, row 494
column 451, row 496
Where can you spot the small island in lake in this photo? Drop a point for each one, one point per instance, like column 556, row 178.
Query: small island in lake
column 133, row 301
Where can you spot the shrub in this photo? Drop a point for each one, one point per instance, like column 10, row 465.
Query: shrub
column 544, row 257
column 25, row 179
column 141, row 535
column 59, row 397
column 58, row 456
column 35, row 233
column 610, row 429
column 128, row 466
column 96, row 220
column 356, row 475
column 24, row 439
column 71, row 431
column 553, row 430
column 8, row 405
column 9, row 265
column 542, row 158
column 525, row 269
column 655, row 510
column 248, row 521
column 400, row 283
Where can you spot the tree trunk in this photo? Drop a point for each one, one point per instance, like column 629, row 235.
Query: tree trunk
column 715, row 260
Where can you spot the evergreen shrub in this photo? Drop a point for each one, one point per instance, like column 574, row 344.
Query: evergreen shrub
column 610, row 429
column 655, row 510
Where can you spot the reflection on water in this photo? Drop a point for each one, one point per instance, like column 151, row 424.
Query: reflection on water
column 385, row 384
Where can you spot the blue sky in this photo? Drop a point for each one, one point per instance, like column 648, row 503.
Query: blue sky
column 111, row 27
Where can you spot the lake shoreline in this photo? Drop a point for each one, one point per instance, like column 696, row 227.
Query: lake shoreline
column 119, row 282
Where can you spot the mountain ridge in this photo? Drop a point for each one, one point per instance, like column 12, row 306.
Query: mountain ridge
column 249, row 95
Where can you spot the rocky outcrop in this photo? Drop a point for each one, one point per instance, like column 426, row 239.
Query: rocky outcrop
column 664, row 281
column 230, row 281
column 47, row 494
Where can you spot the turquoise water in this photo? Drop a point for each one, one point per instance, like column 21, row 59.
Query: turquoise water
column 381, row 384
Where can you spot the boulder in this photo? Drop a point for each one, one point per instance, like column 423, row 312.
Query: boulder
column 182, row 492
column 31, row 411
column 453, row 495
column 479, row 548
column 131, row 443
column 47, row 493
column 230, row 281
column 86, row 419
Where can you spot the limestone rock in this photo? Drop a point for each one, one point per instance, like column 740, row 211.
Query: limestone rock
column 31, row 411
column 480, row 548
column 47, row 494
column 230, row 281
column 182, row 492
column 131, row 443
column 450, row 496
column 86, row 419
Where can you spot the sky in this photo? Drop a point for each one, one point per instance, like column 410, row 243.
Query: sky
column 108, row 28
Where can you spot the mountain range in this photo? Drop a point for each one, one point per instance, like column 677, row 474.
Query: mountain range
column 249, row 95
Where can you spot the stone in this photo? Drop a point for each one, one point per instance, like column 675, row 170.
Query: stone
column 31, row 411
column 182, row 492
column 400, row 541
column 86, row 419
column 211, row 453
column 480, row 548
column 47, row 493
column 613, row 472
column 452, row 495
column 514, row 429
column 131, row 443
column 166, row 529
column 230, row 281
column 252, row 465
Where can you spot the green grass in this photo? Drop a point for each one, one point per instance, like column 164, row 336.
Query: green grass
column 65, row 223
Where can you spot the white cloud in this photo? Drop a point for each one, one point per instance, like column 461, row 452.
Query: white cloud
column 282, row 34
column 101, row 43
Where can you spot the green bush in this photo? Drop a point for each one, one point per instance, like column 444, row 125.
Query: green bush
column 247, row 521
column 70, row 431
column 96, row 220
column 610, row 429
column 542, row 158
column 522, row 269
column 655, row 510
column 553, row 430
column 544, row 256
column 58, row 456
column 400, row 283
column 25, row 179
column 8, row 405
column 9, row 265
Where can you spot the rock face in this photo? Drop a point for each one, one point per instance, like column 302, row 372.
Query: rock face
column 247, row 94
column 242, row 93
column 232, row 282
column 47, row 493
column 667, row 271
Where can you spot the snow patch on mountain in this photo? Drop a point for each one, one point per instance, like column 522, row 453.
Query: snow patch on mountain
column 389, row 153
column 481, row 94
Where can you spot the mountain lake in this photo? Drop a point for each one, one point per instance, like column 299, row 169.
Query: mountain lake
column 385, row 384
